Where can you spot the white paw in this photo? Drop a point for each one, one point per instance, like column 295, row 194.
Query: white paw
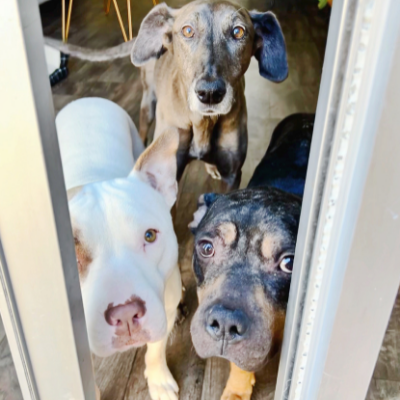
column 213, row 171
column 162, row 385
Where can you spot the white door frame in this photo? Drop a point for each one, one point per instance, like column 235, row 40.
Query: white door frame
column 345, row 279
column 341, row 298
column 40, row 304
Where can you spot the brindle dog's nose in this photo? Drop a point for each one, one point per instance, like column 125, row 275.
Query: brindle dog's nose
column 223, row 323
column 128, row 313
column 210, row 91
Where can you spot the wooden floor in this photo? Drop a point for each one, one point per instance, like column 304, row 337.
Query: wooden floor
column 121, row 377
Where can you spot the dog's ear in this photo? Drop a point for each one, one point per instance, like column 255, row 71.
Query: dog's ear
column 154, row 34
column 203, row 204
column 157, row 165
column 269, row 46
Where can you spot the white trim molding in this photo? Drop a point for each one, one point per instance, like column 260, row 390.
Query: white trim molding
column 333, row 189
column 363, row 34
column 40, row 300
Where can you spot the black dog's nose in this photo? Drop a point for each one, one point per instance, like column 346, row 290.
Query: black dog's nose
column 228, row 324
column 210, row 91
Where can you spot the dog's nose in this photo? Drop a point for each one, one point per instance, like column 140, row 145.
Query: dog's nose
column 128, row 313
column 210, row 91
column 223, row 323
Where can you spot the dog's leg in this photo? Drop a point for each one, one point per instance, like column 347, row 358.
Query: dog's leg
column 182, row 155
column 229, row 149
column 240, row 384
column 230, row 155
column 229, row 166
column 147, row 113
column 162, row 385
column 148, row 104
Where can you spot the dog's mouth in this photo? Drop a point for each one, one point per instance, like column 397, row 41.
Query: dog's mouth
column 212, row 110
column 247, row 356
column 209, row 112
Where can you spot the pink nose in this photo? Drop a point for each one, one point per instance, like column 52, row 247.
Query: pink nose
column 126, row 314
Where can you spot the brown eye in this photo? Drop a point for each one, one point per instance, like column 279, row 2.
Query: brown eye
column 150, row 236
column 188, row 31
column 238, row 32
column 286, row 264
column 206, row 248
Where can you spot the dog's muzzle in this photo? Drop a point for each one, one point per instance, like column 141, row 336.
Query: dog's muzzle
column 219, row 330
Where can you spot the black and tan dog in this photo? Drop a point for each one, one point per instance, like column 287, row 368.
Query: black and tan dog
column 243, row 258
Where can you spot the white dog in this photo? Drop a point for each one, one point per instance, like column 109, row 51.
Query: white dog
column 125, row 243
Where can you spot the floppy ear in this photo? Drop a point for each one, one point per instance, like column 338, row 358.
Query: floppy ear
column 157, row 165
column 203, row 204
column 269, row 46
column 154, row 33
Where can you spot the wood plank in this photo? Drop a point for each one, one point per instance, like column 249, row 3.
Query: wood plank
column 217, row 373
column 112, row 374
column 9, row 386
column 264, row 388
column 136, row 388
column 215, row 377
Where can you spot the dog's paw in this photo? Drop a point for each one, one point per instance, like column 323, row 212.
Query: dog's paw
column 161, row 383
column 213, row 171
column 240, row 384
column 233, row 395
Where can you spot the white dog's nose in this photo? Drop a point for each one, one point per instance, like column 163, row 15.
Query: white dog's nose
column 127, row 314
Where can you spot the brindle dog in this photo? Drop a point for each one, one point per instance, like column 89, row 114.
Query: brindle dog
column 203, row 50
column 243, row 258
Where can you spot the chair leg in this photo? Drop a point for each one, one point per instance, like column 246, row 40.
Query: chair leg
column 128, row 2
column 63, row 19
column 68, row 19
column 107, row 5
column 121, row 24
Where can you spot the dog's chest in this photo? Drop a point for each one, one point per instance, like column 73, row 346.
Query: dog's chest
column 203, row 128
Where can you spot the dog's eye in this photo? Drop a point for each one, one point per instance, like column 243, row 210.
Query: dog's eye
column 206, row 248
column 150, row 236
column 286, row 264
column 188, row 31
column 238, row 32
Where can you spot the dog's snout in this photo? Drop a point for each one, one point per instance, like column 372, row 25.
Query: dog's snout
column 126, row 314
column 210, row 91
column 223, row 323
